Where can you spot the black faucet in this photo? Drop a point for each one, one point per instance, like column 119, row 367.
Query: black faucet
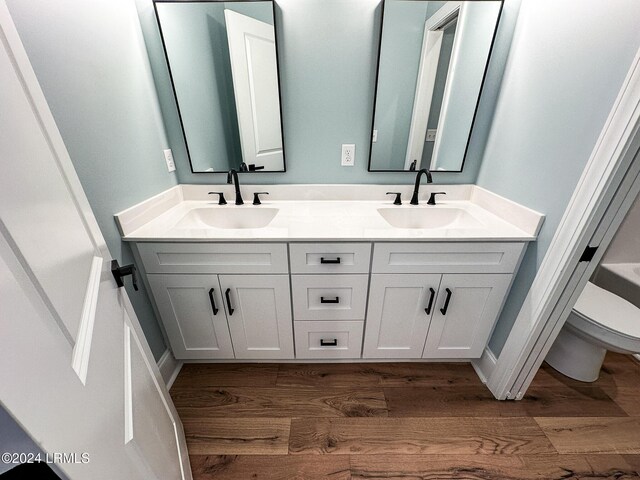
column 232, row 177
column 414, row 198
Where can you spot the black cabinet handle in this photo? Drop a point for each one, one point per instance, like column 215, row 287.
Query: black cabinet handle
column 433, row 294
column 213, row 302
column 331, row 343
column 444, row 309
column 329, row 300
column 226, row 294
column 328, row 260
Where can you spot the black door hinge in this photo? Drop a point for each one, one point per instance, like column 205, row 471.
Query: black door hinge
column 588, row 253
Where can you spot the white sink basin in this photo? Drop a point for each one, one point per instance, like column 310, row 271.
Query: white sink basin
column 428, row 217
column 228, row 217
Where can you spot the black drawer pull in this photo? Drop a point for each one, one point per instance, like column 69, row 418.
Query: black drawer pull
column 329, row 343
column 444, row 309
column 433, row 294
column 329, row 300
column 213, row 302
column 329, row 260
column 226, row 294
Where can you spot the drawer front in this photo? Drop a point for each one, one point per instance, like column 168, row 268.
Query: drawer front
column 214, row 257
column 329, row 297
column 489, row 257
column 330, row 257
column 328, row 339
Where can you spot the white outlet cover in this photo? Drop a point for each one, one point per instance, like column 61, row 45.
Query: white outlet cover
column 431, row 135
column 348, row 154
column 168, row 157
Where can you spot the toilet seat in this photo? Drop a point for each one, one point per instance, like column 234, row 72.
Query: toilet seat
column 607, row 318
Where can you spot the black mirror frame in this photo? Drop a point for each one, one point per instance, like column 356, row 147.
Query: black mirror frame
column 175, row 95
column 475, row 112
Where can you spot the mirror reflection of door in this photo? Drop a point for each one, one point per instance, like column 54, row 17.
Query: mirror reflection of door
column 435, row 57
column 223, row 66
column 432, row 61
column 252, row 49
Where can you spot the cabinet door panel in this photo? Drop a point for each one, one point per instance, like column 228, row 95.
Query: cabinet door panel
column 463, row 331
column 397, row 323
column 261, row 324
column 186, row 311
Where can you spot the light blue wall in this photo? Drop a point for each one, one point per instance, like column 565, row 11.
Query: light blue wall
column 567, row 64
column 328, row 53
column 90, row 61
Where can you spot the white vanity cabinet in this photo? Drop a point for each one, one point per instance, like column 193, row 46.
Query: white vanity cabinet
column 350, row 300
column 464, row 313
column 399, row 315
column 193, row 315
column 221, row 301
column 258, row 311
column 447, row 308
column 329, row 292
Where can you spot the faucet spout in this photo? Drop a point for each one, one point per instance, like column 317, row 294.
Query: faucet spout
column 414, row 198
column 232, row 177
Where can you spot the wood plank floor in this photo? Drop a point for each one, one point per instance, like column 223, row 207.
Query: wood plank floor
column 405, row 421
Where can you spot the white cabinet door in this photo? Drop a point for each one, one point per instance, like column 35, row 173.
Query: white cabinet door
column 259, row 313
column 75, row 369
column 193, row 316
column 399, row 314
column 460, row 328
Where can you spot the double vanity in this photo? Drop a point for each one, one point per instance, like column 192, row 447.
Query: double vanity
column 319, row 272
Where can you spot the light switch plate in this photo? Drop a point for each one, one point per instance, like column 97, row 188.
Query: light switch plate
column 168, row 157
column 348, row 154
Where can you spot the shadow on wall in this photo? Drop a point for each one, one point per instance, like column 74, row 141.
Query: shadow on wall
column 519, row 290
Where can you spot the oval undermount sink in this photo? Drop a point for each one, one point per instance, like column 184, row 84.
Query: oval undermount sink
column 229, row 217
column 428, row 217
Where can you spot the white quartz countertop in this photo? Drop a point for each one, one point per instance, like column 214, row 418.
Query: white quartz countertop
column 175, row 216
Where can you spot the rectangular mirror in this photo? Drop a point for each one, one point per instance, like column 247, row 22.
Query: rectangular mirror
column 223, row 62
column 432, row 62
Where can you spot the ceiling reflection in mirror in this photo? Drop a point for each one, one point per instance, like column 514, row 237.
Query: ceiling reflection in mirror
column 431, row 68
column 223, row 64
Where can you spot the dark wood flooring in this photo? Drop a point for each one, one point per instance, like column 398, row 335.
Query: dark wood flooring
column 405, row 421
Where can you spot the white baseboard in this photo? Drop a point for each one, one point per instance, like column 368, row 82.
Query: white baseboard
column 485, row 365
column 169, row 367
column 636, row 357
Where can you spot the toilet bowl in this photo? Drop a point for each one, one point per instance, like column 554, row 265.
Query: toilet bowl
column 599, row 321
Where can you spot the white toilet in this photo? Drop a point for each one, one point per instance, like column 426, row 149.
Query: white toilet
column 600, row 321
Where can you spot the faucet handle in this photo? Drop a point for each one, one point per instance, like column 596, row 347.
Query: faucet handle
column 221, row 199
column 256, row 198
column 432, row 197
column 398, row 200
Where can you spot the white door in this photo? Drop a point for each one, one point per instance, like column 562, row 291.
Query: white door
column 193, row 316
column 400, row 309
column 75, row 370
column 466, row 310
column 259, row 313
column 252, row 49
